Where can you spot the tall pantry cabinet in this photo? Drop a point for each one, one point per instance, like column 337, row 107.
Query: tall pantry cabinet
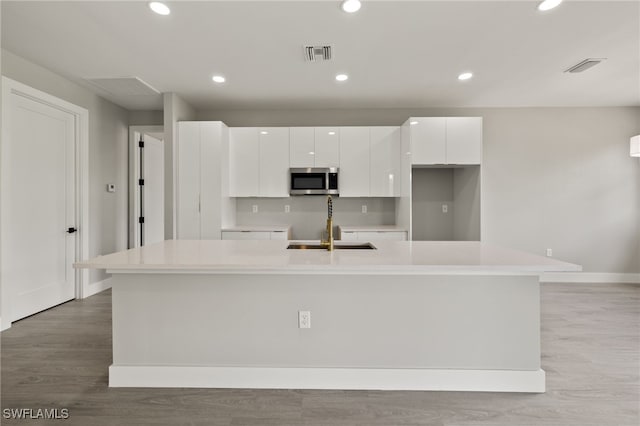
column 203, row 204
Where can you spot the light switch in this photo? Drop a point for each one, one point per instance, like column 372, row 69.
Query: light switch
column 445, row 208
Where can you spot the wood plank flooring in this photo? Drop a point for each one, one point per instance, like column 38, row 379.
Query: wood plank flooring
column 590, row 351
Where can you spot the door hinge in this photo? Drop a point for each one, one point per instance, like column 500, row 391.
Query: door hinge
column 71, row 230
column 141, row 219
column 141, row 182
column 141, row 144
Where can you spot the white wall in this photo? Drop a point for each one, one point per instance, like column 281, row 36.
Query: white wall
column 557, row 178
column 108, row 134
column 175, row 109
column 146, row 118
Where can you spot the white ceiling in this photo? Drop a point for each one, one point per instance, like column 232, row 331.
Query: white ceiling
column 397, row 53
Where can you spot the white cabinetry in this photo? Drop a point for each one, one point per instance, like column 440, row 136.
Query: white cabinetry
column 370, row 161
column 274, row 162
column 259, row 161
column 354, row 162
column 384, row 160
column 203, row 206
column 257, row 233
column 314, row 147
column 446, row 140
column 302, row 143
column 372, row 233
column 245, row 161
column 327, row 141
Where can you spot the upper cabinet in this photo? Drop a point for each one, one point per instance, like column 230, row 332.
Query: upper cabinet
column 327, row 147
column 354, row 162
column 384, row 161
column 274, row 162
column 446, row 140
column 314, row 147
column 259, row 161
column 245, row 162
column 370, row 161
column 302, row 141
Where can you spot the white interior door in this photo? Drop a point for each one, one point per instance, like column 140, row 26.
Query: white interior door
column 153, row 194
column 38, row 198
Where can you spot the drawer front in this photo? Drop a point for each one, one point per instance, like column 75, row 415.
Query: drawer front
column 382, row 235
column 279, row 235
column 348, row 236
column 246, row 235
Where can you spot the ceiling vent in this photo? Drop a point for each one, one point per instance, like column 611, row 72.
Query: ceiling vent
column 585, row 65
column 126, row 86
column 317, row 53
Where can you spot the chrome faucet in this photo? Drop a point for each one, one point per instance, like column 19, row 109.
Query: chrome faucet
column 329, row 242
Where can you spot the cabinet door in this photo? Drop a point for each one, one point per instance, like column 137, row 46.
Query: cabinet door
column 274, row 161
column 354, row 162
column 301, row 147
column 188, row 181
column 464, row 140
column 244, row 169
column 428, row 140
column 385, row 161
column 327, row 151
column 210, row 180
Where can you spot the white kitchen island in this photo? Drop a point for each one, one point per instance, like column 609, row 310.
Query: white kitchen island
column 409, row 315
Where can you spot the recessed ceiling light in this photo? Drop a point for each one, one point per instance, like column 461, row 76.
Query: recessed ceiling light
column 218, row 79
column 264, row 132
column 413, row 123
column 159, row 8
column 465, row 76
column 312, row 153
column 548, row 4
column 332, row 133
column 351, row 6
column 342, row 77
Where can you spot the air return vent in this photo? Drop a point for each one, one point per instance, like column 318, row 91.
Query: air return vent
column 125, row 86
column 317, row 53
column 585, row 65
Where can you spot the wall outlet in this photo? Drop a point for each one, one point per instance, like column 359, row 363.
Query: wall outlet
column 304, row 319
column 287, row 208
column 445, row 208
column 111, row 187
column 254, row 208
column 549, row 252
column 364, row 208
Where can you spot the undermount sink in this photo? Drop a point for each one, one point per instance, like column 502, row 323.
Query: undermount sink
column 336, row 246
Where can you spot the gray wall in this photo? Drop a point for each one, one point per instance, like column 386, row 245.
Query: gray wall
column 108, row 134
column 175, row 109
column 557, row 178
column 431, row 188
column 146, row 118
column 308, row 216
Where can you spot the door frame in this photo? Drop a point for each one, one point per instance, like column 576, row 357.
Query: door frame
column 81, row 122
column 134, row 171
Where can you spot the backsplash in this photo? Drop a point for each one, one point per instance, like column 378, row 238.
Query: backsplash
column 308, row 214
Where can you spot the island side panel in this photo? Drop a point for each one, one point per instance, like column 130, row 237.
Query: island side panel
column 357, row 321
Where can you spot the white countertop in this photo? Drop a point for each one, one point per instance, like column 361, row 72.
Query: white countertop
column 261, row 228
column 371, row 228
column 269, row 256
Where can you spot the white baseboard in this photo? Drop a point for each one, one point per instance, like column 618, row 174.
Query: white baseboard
column 589, row 277
column 327, row 378
column 95, row 288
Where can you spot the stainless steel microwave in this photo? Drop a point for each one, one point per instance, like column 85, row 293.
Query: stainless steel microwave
column 314, row 181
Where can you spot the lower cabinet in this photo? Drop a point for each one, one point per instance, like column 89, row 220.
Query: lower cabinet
column 255, row 235
column 373, row 235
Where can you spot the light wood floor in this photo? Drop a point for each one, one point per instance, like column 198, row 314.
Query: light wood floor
column 590, row 347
